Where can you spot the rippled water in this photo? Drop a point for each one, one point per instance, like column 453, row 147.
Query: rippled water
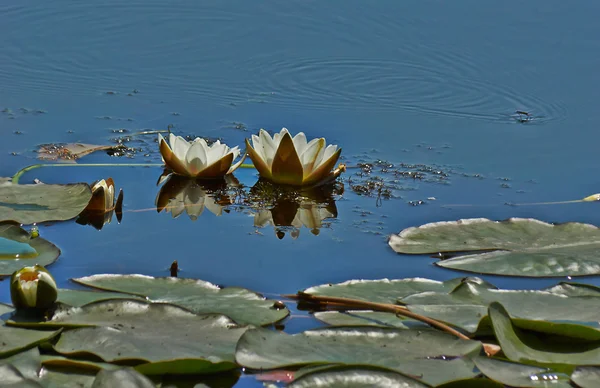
column 433, row 83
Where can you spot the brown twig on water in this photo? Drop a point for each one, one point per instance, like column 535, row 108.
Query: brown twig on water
column 385, row 307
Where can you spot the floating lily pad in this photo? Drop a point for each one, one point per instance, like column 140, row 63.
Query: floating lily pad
column 124, row 377
column 574, row 289
column 78, row 298
column 520, row 346
column 162, row 338
column 14, row 340
column 39, row 251
column 28, row 363
column 55, row 361
column 521, row 304
column 466, row 317
column 386, row 290
column 516, row 247
column 66, row 378
column 12, row 378
column 241, row 305
column 362, row 318
column 355, row 377
column 519, row 375
column 476, row 382
column 435, row 355
column 28, row 204
column 586, row 376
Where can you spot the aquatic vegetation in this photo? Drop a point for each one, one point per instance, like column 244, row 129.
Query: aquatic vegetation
column 101, row 207
column 18, row 247
column 33, row 288
column 515, row 247
column 294, row 161
column 197, row 159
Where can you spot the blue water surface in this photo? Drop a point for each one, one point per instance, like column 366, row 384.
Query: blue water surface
column 427, row 82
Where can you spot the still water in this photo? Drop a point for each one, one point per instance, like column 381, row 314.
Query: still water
column 432, row 83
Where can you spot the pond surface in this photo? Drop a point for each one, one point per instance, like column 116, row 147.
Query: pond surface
column 432, row 84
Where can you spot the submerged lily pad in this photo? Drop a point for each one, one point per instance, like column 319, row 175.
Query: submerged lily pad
column 436, row 356
column 515, row 247
column 355, row 377
column 28, row 204
column 241, row 305
column 33, row 250
column 520, row 346
column 162, row 337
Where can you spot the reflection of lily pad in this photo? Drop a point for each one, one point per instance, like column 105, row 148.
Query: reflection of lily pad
column 167, row 338
column 516, row 247
column 28, row 204
column 241, row 305
column 39, row 251
column 355, row 377
column 410, row 352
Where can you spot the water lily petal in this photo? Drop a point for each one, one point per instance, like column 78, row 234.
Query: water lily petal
column 269, row 146
column 213, row 206
column 235, row 151
column 260, row 165
column 179, row 145
column 169, row 157
column 216, row 152
column 324, row 169
column 310, row 216
column 194, row 201
column 218, row 168
column 287, row 168
column 196, row 159
column 300, row 142
column 263, row 218
column 313, row 153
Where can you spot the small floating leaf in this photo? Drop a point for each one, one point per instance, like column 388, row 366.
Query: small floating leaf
column 28, row 204
column 241, row 305
column 518, row 375
column 515, row 247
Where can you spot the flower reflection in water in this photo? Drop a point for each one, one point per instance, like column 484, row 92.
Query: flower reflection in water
column 179, row 194
column 101, row 207
column 289, row 210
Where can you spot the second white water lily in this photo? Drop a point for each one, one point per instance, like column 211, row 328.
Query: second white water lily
column 294, row 161
column 197, row 159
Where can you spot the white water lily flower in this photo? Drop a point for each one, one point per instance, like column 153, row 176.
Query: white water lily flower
column 294, row 161
column 197, row 159
column 33, row 287
column 99, row 210
column 180, row 194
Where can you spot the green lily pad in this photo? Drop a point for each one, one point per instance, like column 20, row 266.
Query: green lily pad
column 5, row 309
column 28, row 204
column 40, row 251
column 355, row 377
column 55, row 361
column 14, row 340
column 586, row 376
column 124, row 377
column 437, row 356
column 518, row 375
column 12, row 378
column 515, row 247
column 362, row 318
column 574, row 289
column 162, row 338
column 521, row 346
column 476, row 382
column 466, row 317
column 66, row 378
column 28, row 363
column 78, row 298
column 385, row 290
column 522, row 304
column 198, row 296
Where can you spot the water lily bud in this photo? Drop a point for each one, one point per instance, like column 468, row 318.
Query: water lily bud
column 33, row 287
